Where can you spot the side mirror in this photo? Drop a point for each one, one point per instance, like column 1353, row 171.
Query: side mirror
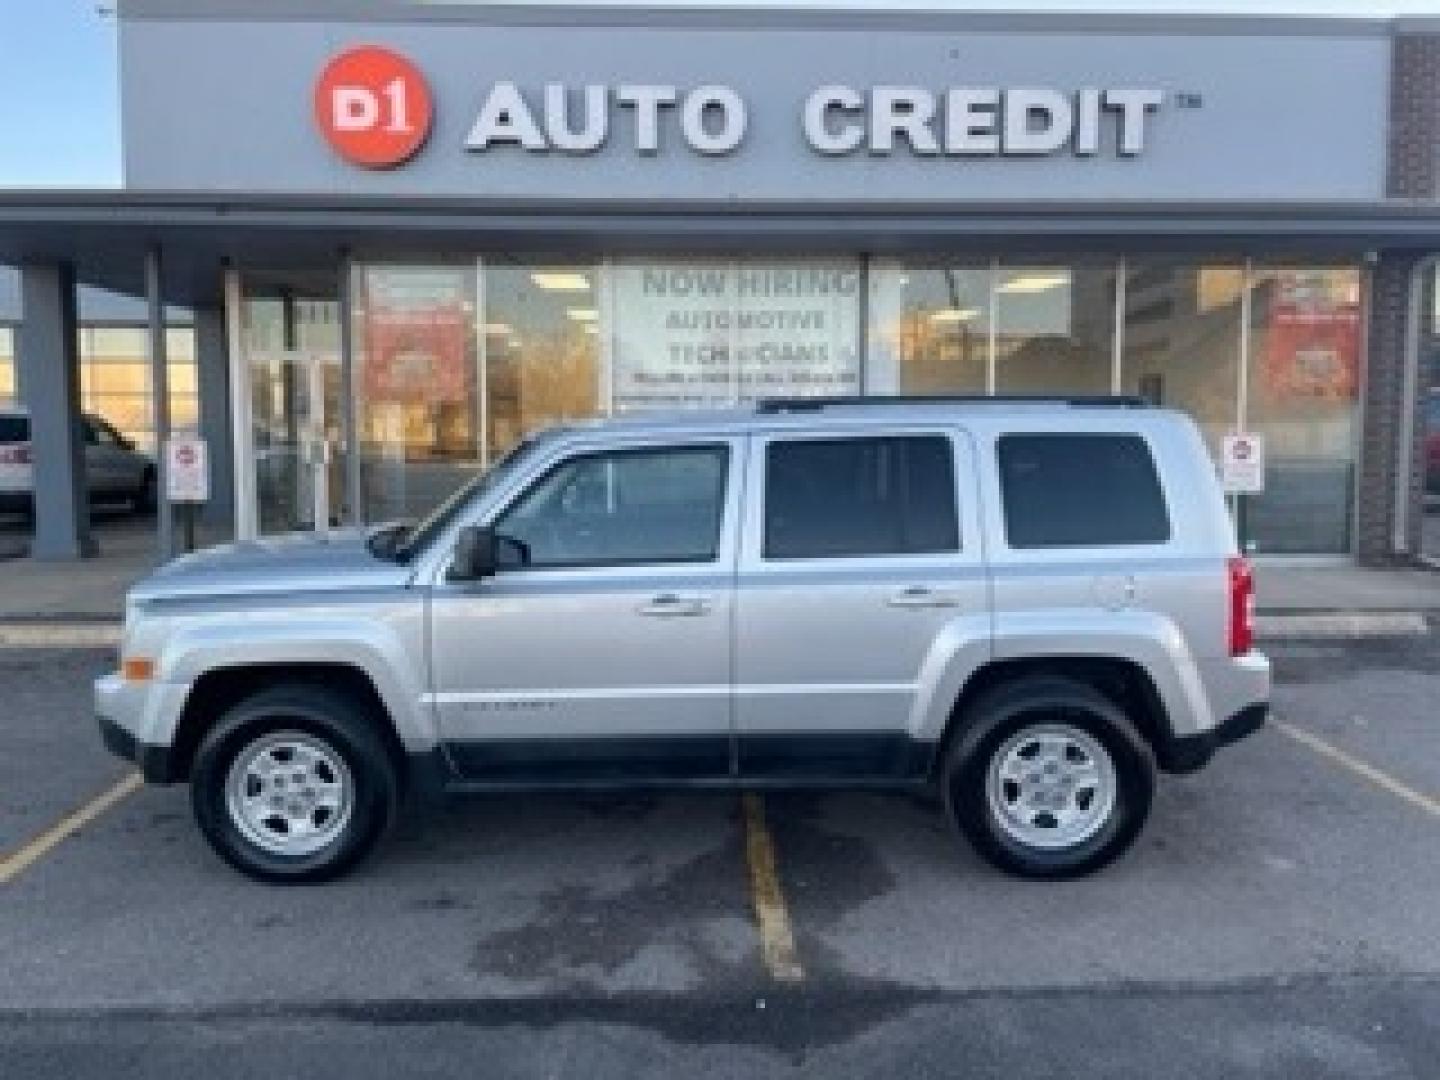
column 475, row 555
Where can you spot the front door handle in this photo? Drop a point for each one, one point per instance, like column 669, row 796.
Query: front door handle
column 923, row 596
column 673, row 604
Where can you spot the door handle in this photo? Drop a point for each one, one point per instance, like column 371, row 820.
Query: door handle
column 923, row 596
column 673, row 604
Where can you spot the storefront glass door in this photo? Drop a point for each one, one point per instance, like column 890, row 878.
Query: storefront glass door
column 297, row 386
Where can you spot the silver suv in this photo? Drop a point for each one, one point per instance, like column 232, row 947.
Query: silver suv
column 1027, row 606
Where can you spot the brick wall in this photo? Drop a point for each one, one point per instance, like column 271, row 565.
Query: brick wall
column 1413, row 172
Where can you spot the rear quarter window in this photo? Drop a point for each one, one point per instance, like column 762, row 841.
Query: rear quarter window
column 1080, row 490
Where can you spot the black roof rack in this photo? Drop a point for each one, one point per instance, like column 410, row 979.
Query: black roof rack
column 1082, row 401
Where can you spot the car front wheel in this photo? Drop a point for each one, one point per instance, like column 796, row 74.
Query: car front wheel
column 293, row 785
column 1049, row 779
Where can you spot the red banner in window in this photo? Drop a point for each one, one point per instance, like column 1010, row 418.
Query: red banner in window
column 416, row 352
column 1312, row 341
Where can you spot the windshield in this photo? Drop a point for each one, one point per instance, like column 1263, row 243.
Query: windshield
column 403, row 542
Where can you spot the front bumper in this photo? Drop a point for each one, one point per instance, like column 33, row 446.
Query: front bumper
column 156, row 762
column 128, row 712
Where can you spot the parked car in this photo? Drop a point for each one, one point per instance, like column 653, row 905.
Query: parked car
column 114, row 470
column 1028, row 607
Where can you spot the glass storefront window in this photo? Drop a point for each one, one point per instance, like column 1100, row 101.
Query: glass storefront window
column 8, row 395
column 1304, row 384
column 542, row 348
column 417, row 385
column 1054, row 328
column 929, row 327
column 457, row 361
column 1181, row 341
column 115, row 379
column 705, row 333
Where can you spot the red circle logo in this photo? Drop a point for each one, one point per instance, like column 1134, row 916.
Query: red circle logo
column 373, row 106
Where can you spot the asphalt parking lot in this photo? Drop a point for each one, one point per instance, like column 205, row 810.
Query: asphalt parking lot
column 1279, row 917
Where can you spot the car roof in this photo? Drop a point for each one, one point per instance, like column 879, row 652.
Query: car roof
column 810, row 413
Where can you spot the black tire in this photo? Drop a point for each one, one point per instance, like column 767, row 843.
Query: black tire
column 148, row 495
column 336, row 721
column 991, row 722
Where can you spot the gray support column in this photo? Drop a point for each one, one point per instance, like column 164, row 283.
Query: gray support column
column 213, row 374
column 1389, row 480
column 241, row 424
column 159, row 402
column 46, row 348
column 349, row 429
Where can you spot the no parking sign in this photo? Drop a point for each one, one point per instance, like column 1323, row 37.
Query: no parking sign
column 187, row 469
column 1242, row 463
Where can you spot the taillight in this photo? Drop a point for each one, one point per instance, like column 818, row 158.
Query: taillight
column 15, row 454
column 1242, row 605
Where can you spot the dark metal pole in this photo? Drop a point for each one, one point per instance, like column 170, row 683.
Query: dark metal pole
column 349, row 414
column 159, row 402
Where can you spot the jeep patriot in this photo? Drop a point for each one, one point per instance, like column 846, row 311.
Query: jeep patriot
column 1028, row 606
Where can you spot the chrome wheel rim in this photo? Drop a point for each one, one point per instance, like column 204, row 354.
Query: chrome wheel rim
column 289, row 793
column 1051, row 786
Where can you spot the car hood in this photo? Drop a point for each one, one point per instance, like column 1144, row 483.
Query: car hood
column 298, row 563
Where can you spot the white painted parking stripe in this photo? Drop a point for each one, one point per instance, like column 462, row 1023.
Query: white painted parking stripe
column 14, row 864
column 777, row 943
column 1380, row 779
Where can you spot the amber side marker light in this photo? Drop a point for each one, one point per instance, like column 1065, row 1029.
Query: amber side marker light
column 137, row 668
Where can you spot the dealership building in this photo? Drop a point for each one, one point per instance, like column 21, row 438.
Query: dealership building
column 390, row 238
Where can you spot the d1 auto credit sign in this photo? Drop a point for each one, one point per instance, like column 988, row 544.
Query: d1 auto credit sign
column 374, row 107
column 1242, row 463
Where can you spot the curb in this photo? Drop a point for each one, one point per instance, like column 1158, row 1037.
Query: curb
column 1340, row 625
column 54, row 634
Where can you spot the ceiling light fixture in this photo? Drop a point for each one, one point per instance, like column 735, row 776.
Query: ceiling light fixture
column 1035, row 283
column 560, row 281
column 953, row 315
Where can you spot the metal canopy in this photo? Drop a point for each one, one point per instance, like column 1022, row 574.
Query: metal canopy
column 106, row 234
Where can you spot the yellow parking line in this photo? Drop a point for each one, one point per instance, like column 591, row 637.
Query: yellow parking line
column 11, row 866
column 777, row 943
column 1369, row 772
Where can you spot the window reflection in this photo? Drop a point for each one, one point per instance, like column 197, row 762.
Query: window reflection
column 542, row 354
column 1054, row 328
column 1181, row 346
column 7, row 366
column 1303, row 386
column 930, row 327
column 456, row 363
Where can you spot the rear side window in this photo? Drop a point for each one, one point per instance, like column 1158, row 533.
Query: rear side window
column 1080, row 490
column 14, row 429
column 833, row 498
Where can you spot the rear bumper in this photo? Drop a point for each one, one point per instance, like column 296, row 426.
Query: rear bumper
column 1188, row 753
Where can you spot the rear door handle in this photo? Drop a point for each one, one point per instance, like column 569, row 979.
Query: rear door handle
column 668, row 605
column 923, row 596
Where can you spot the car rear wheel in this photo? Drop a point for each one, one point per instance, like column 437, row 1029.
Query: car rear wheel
column 293, row 785
column 1048, row 779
